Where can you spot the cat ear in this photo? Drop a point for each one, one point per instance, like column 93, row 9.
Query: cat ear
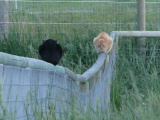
column 56, row 41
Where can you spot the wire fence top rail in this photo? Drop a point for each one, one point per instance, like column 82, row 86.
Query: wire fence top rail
column 30, row 62
column 28, row 23
column 79, row 2
column 136, row 33
column 76, row 77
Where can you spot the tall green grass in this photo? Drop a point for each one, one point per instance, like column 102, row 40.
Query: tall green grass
column 135, row 91
column 135, row 95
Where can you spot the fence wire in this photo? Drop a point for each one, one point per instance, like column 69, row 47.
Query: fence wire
column 133, row 66
column 25, row 92
column 129, row 48
column 57, row 18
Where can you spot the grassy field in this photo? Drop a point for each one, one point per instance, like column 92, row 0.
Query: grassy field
column 135, row 92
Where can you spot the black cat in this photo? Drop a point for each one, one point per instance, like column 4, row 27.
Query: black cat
column 50, row 51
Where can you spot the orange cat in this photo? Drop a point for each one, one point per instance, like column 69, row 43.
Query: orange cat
column 103, row 43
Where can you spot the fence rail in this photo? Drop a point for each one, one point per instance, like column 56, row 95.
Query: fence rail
column 81, row 1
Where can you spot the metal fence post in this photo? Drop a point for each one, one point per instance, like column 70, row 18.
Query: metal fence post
column 141, row 17
column 3, row 19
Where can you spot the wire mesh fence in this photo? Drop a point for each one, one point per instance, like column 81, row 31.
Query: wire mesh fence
column 42, row 19
column 152, row 49
column 26, row 92
column 142, row 67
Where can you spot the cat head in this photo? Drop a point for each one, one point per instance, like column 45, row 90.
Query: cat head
column 103, row 43
column 50, row 43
